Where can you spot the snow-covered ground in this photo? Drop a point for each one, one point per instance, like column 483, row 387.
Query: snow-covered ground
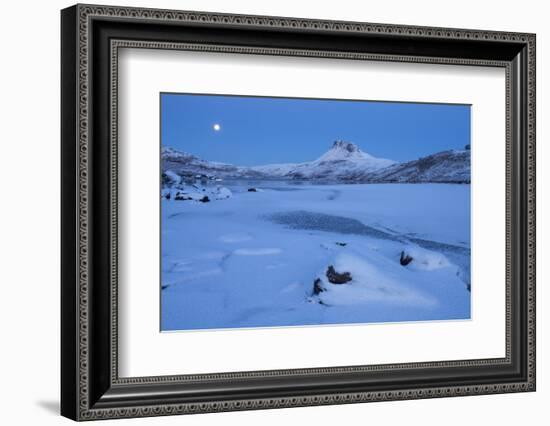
column 260, row 258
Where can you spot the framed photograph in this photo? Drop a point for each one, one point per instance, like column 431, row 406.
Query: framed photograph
column 263, row 212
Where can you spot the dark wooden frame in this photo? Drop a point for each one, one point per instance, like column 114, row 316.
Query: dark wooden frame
column 90, row 386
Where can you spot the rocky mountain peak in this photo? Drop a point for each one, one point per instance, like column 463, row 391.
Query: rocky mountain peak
column 345, row 146
column 344, row 151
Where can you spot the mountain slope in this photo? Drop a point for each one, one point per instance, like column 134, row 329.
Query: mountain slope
column 342, row 161
column 185, row 164
column 447, row 166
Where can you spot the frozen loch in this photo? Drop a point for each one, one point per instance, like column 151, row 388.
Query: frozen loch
column 257, row 253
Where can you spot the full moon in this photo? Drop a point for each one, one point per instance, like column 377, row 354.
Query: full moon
column 216, row 127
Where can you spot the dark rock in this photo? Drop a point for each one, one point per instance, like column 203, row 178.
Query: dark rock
column 405, row 259
column 167, row 196
column 344, row 145
column 318, row 286
column 336, row 277
column 252, row 190
column 426, row 163
column 341, row 244
column 204, row 199
column 467, row 147
column 167, row 180
column 181, row 197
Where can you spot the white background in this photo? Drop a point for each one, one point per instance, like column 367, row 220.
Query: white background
column 145, row 73
column 29, row 229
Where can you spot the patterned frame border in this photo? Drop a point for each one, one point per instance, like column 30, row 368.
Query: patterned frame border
column 116, row 45
column 87, row 12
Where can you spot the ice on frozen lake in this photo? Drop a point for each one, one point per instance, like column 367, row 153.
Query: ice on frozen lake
column 252, row 259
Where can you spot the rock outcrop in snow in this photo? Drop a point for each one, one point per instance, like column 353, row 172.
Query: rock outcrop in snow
column 195, row 192
column 337, row 277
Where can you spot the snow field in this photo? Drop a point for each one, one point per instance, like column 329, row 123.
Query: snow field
column 229, row 263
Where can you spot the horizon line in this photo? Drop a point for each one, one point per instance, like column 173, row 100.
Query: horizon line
column 309, row 161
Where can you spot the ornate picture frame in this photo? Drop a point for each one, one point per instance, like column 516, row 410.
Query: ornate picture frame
column 91, row 37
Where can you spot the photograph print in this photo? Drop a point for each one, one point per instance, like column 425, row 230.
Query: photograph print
column 279, row 212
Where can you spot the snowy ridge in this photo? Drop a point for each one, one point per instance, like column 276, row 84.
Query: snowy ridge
column 170, row 154
column 342, row 150
column 187, row 165
column 343, row 162
column 444, row 167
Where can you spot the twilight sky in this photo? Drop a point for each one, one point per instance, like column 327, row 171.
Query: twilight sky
column 249, row 131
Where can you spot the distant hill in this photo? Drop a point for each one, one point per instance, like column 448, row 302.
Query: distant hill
column 443, row 167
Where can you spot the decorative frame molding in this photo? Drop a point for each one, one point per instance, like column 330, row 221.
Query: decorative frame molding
column 91, row 388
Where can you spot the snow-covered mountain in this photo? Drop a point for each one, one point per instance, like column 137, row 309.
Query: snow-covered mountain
column 185, row 164
column 444, row 167
column 344, row 161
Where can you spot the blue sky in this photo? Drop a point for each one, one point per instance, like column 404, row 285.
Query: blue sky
column 261, row 130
